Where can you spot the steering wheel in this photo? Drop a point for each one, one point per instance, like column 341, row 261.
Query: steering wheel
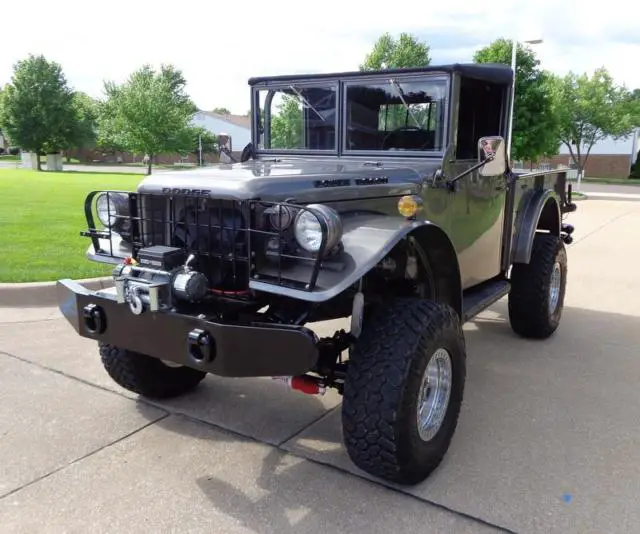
column 405, row 129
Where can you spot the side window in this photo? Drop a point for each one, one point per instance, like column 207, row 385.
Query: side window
column 480, row 114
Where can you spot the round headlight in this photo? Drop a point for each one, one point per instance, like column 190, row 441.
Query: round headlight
column 308, row 227
column 109, row 205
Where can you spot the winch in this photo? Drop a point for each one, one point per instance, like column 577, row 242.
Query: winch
column 160, row 275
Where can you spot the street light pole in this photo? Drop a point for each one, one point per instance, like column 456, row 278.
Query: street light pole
column 514, row 49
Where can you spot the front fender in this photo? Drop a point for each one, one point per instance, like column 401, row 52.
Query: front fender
column 367, row 239
column 539, row 210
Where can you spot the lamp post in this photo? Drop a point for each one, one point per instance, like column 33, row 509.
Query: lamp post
column 514, row 49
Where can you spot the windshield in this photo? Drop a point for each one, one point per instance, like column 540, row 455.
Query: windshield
column 395, row 115
column 297, row 117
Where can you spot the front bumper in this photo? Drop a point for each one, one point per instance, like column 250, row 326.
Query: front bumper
column 235, row 350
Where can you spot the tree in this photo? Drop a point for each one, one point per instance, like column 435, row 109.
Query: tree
column 37, row 111
column 389, row 53
column 202, row 135
column 591, row 109
column 286, row 124
column 84, row 134
column 221, row 111
column 149, row 114
column 535, row 125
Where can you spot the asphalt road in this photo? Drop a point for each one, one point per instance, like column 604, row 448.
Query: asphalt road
column 547, row 440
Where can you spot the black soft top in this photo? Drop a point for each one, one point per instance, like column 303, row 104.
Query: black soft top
column 490, row 72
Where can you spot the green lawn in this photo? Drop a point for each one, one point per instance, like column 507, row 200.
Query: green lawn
column 41, row 216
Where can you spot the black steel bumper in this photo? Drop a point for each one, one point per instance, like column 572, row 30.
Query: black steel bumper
column 236, row 350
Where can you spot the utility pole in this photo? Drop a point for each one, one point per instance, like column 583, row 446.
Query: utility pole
column 200, row 148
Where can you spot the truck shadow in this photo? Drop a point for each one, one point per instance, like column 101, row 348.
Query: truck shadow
column 538, row 387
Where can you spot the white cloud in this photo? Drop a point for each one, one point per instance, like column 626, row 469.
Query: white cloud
column 220, row 45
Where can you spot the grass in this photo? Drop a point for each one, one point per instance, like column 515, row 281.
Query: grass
column 9, row 157
column 41, row 216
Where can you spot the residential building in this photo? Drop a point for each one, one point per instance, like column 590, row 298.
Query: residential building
column 238, row 127
column 607, row 159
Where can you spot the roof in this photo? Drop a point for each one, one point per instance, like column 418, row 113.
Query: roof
column 492, row 72
column 237, row 120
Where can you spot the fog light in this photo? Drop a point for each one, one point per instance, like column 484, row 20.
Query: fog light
column 409, row 205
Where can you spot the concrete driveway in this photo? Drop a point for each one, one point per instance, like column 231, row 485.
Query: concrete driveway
column 547, row 440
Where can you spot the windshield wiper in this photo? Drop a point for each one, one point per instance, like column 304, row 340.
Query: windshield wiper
column 398, row 88
column 304, row 101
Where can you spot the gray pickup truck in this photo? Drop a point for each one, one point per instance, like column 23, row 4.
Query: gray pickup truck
column 384, row 198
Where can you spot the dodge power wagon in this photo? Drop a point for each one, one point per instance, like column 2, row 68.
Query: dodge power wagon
column 386, row 199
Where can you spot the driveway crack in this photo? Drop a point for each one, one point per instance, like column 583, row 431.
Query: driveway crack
column 83, row 457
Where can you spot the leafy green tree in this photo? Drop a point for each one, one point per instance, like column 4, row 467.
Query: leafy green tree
column 148, row 114
column 202, row 135
column 591, row 109
column 286, row 124
column 389, row 52
column 38, row 111
column 535, row 125
column 84, row 134
column 221, row 111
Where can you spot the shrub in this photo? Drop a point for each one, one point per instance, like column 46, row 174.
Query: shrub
column 14, row 150
column 1, row 150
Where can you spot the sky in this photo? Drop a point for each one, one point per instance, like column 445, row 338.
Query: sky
column 220, row 45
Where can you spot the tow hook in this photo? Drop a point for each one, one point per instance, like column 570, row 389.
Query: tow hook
column 94, row 319
column 200, row 346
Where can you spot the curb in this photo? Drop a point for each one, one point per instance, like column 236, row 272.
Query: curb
column 612, row 196
column 39, row 294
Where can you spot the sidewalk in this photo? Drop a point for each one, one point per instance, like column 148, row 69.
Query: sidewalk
column 603, row 195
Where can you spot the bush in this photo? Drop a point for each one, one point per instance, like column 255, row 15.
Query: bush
column 14, row 150
column 1, row 150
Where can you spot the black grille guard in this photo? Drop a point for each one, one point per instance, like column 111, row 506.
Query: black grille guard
column 231, row 236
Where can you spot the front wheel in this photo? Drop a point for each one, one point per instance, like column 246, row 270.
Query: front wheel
column 404, row 389
column 536, row 299
column 147, row 376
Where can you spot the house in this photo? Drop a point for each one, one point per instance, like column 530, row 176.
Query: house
column 238, row 127
column 607, row 159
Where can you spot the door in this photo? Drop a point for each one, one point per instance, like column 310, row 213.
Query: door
column 477, row 213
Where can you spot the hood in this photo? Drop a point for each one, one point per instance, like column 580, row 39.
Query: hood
column 295, row 180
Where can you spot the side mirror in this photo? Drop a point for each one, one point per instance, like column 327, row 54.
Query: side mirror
column 224, row 148
column 492, row 154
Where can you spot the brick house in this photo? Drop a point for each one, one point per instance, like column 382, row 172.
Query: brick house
column 607, row 159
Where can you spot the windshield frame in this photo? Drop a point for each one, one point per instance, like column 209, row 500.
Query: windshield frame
column 285, row 85
column 400, row 79
column 340, row 84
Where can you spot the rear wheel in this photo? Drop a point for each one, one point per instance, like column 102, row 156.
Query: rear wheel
column 404, row 390
column 536, row 299
column 148, row 376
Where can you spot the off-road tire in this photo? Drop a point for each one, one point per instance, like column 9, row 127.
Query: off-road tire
column 386, row 366
column 147, row 376
column 529, row 297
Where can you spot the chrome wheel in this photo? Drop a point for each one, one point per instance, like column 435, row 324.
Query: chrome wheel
column 554, row 288
column 433, row 398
